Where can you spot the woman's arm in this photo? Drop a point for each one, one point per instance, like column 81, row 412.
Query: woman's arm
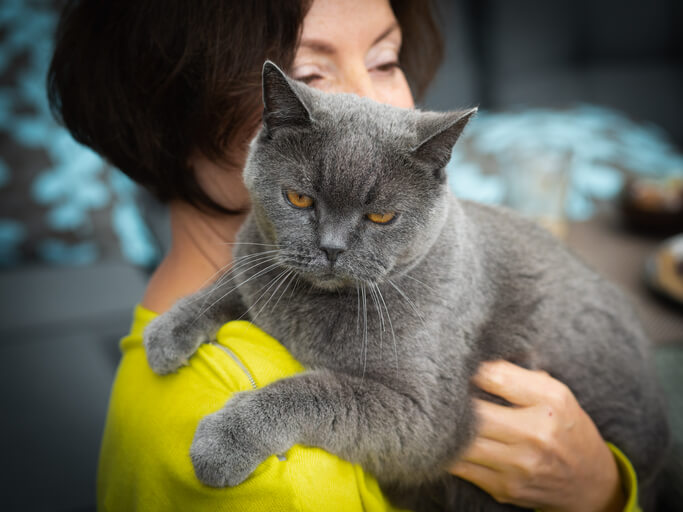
column 544, row 452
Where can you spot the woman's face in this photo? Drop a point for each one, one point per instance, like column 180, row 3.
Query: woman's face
column 346, row 46
column 353, row 46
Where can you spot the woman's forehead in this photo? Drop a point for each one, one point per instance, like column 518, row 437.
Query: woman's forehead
column 333, row 27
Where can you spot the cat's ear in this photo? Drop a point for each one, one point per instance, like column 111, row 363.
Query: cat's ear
column 283, row 106
column 437, row 134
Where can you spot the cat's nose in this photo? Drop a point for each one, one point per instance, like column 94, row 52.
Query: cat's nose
column 332, row 252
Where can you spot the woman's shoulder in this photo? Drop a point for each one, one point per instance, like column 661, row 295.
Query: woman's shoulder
column 144, row 458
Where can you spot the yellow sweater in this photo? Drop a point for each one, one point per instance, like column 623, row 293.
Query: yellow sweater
column 144, row 458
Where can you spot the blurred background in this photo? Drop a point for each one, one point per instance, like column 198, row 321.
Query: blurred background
column 581, row 127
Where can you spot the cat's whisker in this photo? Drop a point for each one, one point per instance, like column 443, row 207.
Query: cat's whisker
column 210, row 280
column 226, row 270
column 357, row 308
column 240, row 267
column 418, row 281
column 380, row 314
column 288, row 282
column 254, row 254
column 249, row 265
column 391, row 327
column 267, row 287
column 258, row 274
column 430, row 288
column 204, row 309
column 373, row 288
column 296, row 283
column 365, row 330
column 410, row 302
column 248, row 243
column 233, row 272
column 280, row 280
column 241, row 261
column 284, row 291
column 248, row 257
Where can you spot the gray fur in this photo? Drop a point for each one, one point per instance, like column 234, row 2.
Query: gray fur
column 392, row 331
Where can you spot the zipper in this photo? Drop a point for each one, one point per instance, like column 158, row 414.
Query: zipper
column 280, row 456
column 238, row 361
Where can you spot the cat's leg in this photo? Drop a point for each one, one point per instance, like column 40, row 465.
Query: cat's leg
column 398, row 434
column 171, row 338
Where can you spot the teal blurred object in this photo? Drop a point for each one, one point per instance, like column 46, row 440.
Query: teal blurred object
column 603, row 146
column 60, row 203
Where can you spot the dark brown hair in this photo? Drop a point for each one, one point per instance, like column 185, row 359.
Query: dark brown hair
column 145, row 83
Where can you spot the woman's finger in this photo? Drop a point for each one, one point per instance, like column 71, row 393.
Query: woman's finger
column 515, row 384
column 493, row 482
column 488, row 452
column 501, row 423
column 479, row 475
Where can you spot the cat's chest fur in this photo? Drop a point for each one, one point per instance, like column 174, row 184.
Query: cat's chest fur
column 351, row 330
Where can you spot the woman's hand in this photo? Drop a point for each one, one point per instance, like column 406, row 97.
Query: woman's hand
column 544, row 452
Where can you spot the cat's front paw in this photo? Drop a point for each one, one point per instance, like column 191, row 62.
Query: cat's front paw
column 226, row 449
column 169, row 341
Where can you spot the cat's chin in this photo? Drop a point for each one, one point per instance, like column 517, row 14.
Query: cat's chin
column 329, row 281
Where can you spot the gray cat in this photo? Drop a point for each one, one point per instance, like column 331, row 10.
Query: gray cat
column 397, row 291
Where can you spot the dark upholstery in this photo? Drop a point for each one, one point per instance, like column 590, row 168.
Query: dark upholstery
column 60, row 325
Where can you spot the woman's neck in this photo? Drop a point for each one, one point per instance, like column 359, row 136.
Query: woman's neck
column 201, row 247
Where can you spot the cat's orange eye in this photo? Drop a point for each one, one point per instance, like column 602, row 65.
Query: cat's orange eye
column 381, row 218
column 299, row 200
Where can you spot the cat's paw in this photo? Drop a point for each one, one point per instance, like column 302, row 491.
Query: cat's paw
column 169, row 342
column 225, row 449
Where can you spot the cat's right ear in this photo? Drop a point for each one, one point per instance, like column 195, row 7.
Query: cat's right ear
column 437, row 133
column 283, row 108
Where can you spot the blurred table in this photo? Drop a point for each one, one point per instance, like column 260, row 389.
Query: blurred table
column 619, row 255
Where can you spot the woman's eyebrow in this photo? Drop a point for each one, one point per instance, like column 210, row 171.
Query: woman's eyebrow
column 319, row 46
column 386, row 32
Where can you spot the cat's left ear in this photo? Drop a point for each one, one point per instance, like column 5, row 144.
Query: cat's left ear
column 438, row 134
column 283, row 106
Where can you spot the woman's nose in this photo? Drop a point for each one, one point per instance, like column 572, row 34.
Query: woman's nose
column 358, row 81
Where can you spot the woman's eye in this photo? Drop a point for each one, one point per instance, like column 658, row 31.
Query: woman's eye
column 308, row 79
column 388, row 67
column 381, row 218
column 299, row 200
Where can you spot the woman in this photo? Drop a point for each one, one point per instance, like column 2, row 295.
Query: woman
column 169, row 93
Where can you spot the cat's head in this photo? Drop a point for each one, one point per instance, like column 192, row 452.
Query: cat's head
column 350, row 190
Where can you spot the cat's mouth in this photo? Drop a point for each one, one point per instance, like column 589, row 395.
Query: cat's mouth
column 328, row 278
column 330, row 283
column 322, row 274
